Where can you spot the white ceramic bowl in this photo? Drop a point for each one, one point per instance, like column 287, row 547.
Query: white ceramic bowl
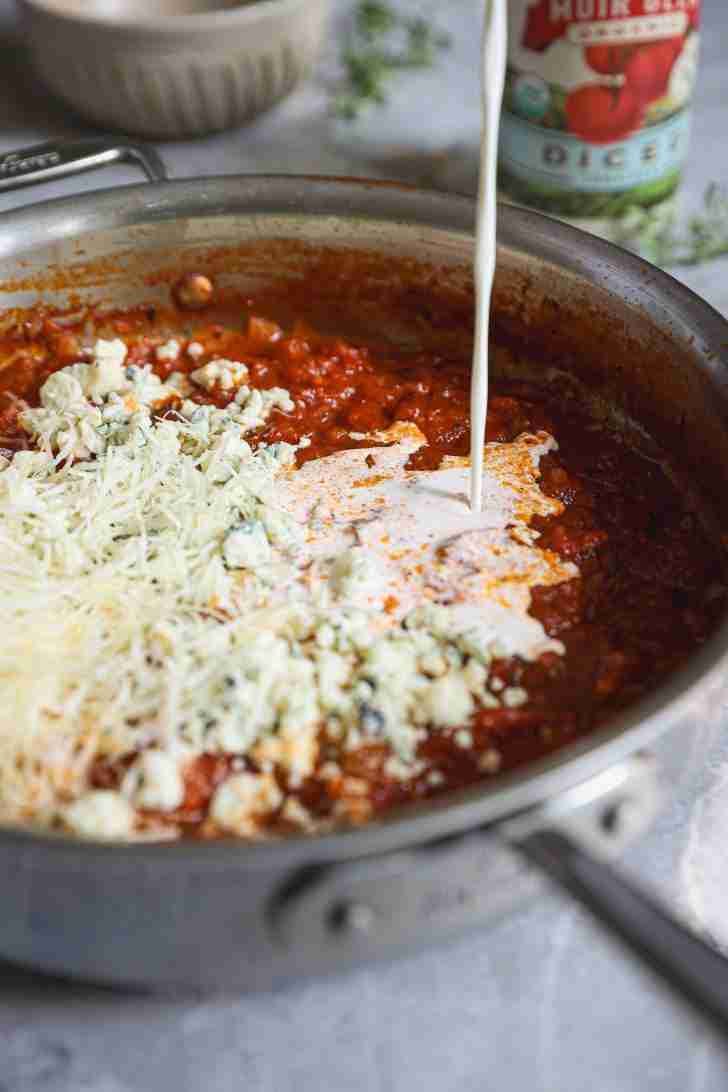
column 173, row 68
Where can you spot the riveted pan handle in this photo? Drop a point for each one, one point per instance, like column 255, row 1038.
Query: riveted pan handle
column 342, row 913
column 697, row 972
column 59, row 159
column 559, row 838
column 346, row 913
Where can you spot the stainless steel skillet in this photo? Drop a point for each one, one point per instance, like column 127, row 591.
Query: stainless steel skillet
column 245, row 916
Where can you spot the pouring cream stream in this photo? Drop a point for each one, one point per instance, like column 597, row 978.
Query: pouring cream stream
column 492, row 81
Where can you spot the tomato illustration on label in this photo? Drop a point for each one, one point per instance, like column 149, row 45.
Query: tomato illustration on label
column 648, row 71
column 609, row 60
column 602, row 115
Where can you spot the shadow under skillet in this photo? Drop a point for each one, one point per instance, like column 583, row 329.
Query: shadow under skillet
column 42, row 1022
column 19, row 984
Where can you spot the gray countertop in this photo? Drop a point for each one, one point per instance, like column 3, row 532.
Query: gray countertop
column 543, row 1002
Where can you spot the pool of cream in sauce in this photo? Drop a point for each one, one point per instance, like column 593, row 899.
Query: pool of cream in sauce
column 420, row 541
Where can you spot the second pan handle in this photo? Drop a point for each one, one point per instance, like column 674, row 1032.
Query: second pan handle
column 59, row 159
column 697, row 972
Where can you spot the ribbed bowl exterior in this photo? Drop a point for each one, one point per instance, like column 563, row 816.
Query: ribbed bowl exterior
column 184, row 82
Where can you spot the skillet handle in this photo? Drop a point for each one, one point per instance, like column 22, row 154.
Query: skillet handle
column 697, row 972
column 58, row 159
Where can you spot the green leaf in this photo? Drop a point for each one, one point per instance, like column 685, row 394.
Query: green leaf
column 641, row 222
column 558, row 201
column 383, row 43
column 663, row 241
column 374, row 19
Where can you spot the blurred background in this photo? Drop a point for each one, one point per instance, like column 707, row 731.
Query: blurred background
column 382, row 88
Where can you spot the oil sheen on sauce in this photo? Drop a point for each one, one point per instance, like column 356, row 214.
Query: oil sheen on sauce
column 492, row 82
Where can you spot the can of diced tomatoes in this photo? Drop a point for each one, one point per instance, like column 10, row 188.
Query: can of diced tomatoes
column 596, row 113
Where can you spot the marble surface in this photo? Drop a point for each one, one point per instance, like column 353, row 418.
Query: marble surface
column 544, row 1002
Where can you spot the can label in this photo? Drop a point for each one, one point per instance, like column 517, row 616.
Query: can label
column 596, row 111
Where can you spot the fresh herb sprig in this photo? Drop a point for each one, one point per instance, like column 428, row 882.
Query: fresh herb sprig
column 663, row 241
column 707, row 232
column 381, row 44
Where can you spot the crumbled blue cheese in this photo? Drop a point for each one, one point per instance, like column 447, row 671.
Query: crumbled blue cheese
column 246, row 546
column 434, row 663
column 110, row 354
column 514, row 696
column 61, row 391
column 154, row 782
column 178, row 384
column 105, row 373
column 195, row 350
column 241, row 800
column 249, row 410
column 101, row 814
column 294, row 747
column 72, row 433
column 169, row 351
column 84, row 407
column 225, row 374
column 255, row 406
column 475, row 677
column 333, row 675
column 146, row 387
column 391, row 667
column 477, row 642
column 402, row 771
column 447, row 701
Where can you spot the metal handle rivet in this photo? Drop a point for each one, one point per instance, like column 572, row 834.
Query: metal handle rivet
column 619, row 815
column 351, row 917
